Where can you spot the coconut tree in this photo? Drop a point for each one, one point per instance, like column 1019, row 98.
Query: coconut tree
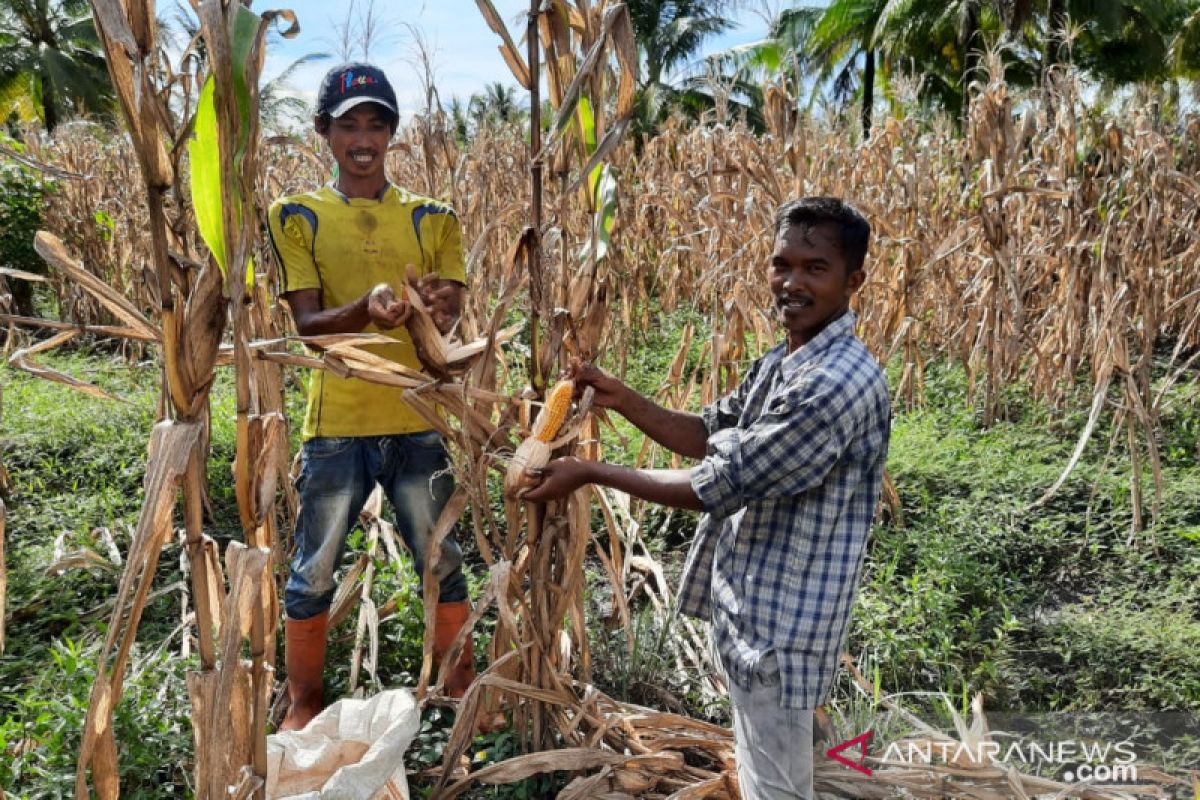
column 1185, row 47
column 277, row 101
column 1118, row 43
column 669, row 34
column 456, row 109
column 849, row 30
column 497, row 104
column 735, row 78
column 50, row 56
column 1130, row 41
column 782, row 56
column 943, row 42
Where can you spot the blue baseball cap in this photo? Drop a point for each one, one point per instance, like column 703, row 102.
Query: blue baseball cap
column 351, row 85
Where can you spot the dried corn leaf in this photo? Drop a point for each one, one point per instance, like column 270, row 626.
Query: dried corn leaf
column 508, row 50
column 454, row 508
column 1099, row 399
column 348, row 593
column 20, row 360
column 592, row 61
column 78, row 559
column 51, row 248
column 625, row 44
column 10, row 272
column 522, row 767
column 171, row 447
column 116, row 331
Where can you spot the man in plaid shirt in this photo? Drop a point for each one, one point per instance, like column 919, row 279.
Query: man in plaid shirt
column 792, row 463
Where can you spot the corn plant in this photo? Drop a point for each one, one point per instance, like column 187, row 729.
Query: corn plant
column 229, row 697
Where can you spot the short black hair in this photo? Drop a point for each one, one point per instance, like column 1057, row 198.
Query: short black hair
column 322, row 122
column 854, row 232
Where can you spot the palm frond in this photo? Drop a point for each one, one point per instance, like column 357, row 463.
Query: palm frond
column 16, row 99
column 897, row 20
column 680, row 39
column 1185, row 47
column 285, row 75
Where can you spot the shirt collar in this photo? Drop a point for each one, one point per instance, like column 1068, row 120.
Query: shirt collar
column 842, row 326
column 382, row 192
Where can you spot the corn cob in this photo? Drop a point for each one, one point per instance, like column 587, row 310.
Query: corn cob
column 554, row 412
column 534, row 452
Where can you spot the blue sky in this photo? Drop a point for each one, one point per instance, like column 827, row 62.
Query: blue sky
column 465, row 49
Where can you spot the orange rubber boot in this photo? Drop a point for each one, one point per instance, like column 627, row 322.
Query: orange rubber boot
column 449, row 621
column 304, row 655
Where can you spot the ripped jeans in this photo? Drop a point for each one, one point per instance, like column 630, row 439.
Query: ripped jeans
column 337, row 474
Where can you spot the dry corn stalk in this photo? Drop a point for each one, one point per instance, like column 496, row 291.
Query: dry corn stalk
column 534, row 452
column 229, row 696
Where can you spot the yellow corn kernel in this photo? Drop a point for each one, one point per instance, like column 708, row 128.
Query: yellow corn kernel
column 554, row 413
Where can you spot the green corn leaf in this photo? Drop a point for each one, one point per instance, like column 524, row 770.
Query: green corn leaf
column 606, row 208
column 604, row 199
column 204, row 150
column 205, row 157
column 566, row 113
column 587, row 126
column 245, row 32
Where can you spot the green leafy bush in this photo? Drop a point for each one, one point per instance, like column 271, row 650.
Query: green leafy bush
column 1051, row 606
column 40, row 731
column 22, row 197
column 1136, row 653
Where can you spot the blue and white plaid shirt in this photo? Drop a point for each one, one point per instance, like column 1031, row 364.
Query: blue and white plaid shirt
column 792, row 474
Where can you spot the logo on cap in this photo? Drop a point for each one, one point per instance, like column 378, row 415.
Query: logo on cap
column 350, row 81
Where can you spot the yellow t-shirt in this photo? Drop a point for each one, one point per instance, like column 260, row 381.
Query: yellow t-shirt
column 344, row 247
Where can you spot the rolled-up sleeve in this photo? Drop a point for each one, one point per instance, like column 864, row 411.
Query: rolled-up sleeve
column 789, row 449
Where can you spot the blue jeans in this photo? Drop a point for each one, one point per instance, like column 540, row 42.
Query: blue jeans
column 337, row 474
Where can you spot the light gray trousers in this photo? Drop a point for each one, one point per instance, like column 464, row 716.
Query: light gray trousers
column 773, row 745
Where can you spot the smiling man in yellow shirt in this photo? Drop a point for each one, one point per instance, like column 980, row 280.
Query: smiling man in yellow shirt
column 344, row 248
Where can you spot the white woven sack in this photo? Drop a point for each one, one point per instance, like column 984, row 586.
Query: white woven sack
column 353, row 750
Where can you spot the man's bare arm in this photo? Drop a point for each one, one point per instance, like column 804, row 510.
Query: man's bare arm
column 678, row 431
column 668, row 487
column 379, row 306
